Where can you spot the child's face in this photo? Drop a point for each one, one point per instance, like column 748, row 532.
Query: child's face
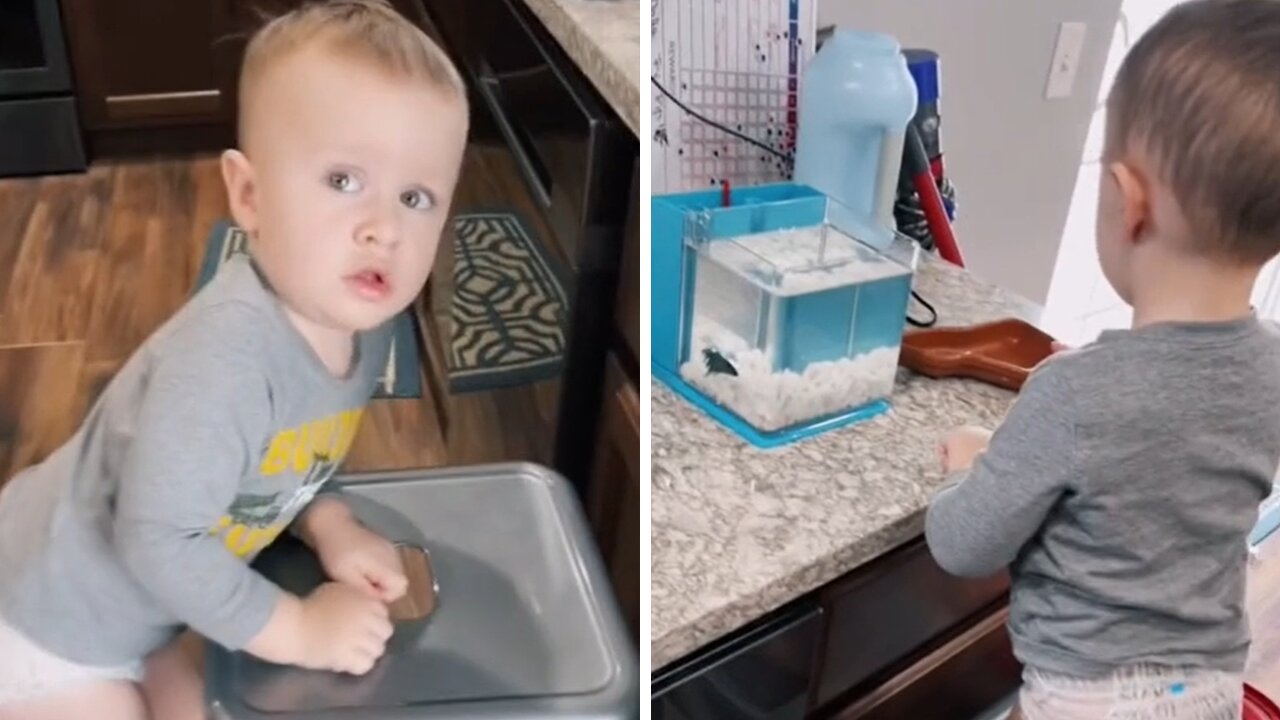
column 345, row 184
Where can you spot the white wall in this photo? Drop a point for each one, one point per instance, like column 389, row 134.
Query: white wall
column 1012, row 154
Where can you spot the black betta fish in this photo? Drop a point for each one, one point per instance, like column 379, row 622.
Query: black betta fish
column 717, row 363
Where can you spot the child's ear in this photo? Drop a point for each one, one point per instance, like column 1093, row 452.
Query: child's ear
column 1135, row 200
column 237, row 174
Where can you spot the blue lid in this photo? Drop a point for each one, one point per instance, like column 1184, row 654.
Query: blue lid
column 924, row 68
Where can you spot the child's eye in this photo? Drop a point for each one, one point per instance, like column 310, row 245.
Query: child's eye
column 343, row 181
column 417, row 199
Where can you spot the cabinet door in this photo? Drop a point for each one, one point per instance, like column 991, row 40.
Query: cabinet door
column 614, row 504
column 151, row 62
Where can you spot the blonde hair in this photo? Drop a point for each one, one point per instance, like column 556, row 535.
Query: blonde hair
column 367, row 30
column 1199, row 93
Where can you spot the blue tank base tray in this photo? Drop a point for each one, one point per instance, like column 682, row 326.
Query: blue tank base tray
column 767, row 440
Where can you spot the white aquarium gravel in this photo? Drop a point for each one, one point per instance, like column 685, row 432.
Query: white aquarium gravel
column 775, row 400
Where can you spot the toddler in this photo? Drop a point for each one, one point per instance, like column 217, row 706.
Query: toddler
column 1121, row 487
column 223, row 428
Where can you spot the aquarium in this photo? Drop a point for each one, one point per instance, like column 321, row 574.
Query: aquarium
column 786, row 324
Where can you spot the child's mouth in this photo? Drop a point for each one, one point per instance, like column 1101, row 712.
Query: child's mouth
column 370, row 284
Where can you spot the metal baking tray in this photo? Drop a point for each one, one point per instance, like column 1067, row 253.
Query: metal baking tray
column 524, row 625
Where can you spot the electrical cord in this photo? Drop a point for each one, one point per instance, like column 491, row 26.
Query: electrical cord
column 923, row 323
column 716, row 125
column 918, row 323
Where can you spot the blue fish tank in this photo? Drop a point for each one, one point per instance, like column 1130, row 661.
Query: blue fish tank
column 781, row 312
column 771, row 314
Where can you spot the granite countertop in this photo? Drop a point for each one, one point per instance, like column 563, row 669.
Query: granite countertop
column 738, row 532
column 603, row 38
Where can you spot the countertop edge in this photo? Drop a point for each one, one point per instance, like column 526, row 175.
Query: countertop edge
column 622, row 93
column 719, row 622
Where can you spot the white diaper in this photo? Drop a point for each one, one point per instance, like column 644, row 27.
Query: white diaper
column 28, row 671
column 1135, row 693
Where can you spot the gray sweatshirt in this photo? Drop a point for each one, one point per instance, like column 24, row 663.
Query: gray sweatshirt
column 205, row 446
column 1119, row 492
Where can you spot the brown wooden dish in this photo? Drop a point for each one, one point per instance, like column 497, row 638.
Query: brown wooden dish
column 1001, row 353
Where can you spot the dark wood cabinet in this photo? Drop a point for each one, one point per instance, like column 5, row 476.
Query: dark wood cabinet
column 159, row 75
column 140, row 63
column 614, row 502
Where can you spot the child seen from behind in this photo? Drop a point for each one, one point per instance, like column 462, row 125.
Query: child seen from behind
column 1121, row 487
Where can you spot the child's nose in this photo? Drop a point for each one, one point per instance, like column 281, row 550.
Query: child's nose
column 378, row 230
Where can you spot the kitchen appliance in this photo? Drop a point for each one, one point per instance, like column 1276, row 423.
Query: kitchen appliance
column 925, row 204
column 916, row 178
column 763, row 674
column 524, row 626
column 772, row 316
column 39, row 129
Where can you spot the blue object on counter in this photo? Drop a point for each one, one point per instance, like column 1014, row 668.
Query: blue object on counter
column 924, row 68
column 1268, row 518
column 698, row 277
column 754, row 209
column 856, row 100
column 757, row 438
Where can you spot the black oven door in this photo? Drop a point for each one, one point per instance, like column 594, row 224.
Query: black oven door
column 33, row 56
column 761, row 674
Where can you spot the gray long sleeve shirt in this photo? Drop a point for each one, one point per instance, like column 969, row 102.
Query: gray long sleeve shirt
column 201, row 450
column 1119, row 492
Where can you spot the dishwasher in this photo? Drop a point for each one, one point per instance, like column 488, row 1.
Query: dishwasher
column 762, row 675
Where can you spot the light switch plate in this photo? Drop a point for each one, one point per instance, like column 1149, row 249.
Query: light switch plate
column 1066, row 60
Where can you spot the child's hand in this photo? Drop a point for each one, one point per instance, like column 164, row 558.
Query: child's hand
column 343, row 630
column 962, row 446
column 353, row 554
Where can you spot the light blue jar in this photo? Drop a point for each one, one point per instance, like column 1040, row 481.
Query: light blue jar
column 856, row 98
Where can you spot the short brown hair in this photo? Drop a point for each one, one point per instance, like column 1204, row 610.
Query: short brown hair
column 368, row 30
column 1200, row 94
